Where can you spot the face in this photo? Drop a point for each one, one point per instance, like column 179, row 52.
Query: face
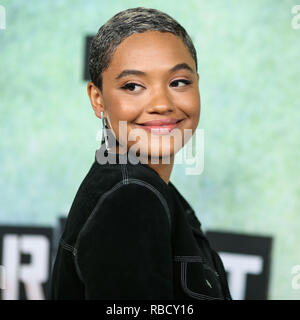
column 152, row 76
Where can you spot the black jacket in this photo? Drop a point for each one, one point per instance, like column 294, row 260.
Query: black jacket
column 129, row 235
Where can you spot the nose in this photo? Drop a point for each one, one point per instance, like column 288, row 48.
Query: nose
column 160, row 102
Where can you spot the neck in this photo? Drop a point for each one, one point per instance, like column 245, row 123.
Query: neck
column 164, row 170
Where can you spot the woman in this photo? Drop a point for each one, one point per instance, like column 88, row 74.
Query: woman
column 130, row 234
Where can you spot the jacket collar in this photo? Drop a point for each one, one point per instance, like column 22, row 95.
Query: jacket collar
column 104, row 157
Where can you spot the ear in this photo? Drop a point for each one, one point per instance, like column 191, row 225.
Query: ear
column 96, row 99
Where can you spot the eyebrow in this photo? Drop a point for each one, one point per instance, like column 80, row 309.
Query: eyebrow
column 177, row 67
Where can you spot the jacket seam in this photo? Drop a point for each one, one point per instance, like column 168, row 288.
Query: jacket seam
column 196, row 259
column 103, row 196
column 158, row 194
column 221, row 268
column 67, row 247
column 125, row 173
column 124, row 181
column 189, row 292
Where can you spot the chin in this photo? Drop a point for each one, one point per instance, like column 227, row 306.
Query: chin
column 159, row 152
column 154, row 146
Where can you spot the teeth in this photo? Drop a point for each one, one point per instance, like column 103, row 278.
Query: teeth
column 159, row 130
column 163, row 125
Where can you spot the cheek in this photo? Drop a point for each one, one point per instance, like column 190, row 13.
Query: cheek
column 191, row 106
column 195, row 104
column 120, row 108
column 190, row 100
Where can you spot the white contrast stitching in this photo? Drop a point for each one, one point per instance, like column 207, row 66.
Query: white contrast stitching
column 196, row 259
column 188, row 291
column 102, row 198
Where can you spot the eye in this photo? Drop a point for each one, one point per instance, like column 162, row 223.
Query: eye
column 186, row 82
column 131, row 86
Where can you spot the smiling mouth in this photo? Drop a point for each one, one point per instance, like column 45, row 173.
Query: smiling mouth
column 160, row 129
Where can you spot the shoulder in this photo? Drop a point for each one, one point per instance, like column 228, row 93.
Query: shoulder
column 106, row 183
column 127, row 180
column 124, row 215
column 103, row 177
column 131, row 199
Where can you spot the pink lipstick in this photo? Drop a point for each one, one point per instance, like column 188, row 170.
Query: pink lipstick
column 160, row 126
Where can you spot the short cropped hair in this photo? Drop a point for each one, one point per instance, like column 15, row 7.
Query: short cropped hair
column 124, row 24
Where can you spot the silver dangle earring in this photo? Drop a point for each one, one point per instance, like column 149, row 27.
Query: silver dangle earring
column 104, row 132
